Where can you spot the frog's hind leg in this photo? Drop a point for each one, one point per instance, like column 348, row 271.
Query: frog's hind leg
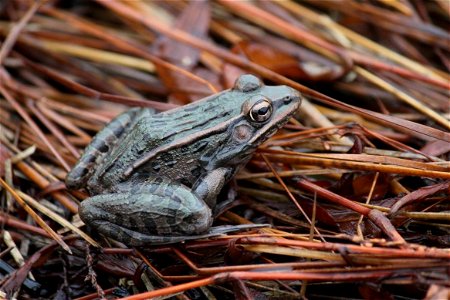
column 154, row 211
column 101, row 144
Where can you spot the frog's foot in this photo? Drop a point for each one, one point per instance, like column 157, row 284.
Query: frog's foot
column 101, row 144
column 134, row 238
column 149, row 212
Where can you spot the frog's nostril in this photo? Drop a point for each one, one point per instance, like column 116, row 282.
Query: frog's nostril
column 287, row 99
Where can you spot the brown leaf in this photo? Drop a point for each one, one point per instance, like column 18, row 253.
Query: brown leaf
column 420, row 194
column 194, row 19
column 362, row 185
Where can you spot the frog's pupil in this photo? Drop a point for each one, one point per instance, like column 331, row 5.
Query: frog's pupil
column 263, row 110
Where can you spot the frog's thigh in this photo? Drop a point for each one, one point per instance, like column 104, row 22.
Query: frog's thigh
column 208, row 187
column 150, row 210
column 101, row 144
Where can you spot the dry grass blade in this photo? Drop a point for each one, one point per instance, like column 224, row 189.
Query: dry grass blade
column 93, row 29
column 296, row 158
column 290, row 195
column 38, row 219
column 100, row 56
column 54, row 216
column 14, row 34
column 361, row 40
column 405, row 97
column 311, row 254
column 33, row 125
column 24, row 154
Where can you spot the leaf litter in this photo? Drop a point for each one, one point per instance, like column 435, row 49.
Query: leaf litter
column 355, row 187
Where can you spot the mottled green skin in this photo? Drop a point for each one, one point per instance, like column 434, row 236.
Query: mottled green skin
column 151, row 175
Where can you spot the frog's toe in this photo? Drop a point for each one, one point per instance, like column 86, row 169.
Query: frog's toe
column 78, row 176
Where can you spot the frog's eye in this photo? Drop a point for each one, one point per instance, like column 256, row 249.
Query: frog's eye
column 261, row 111
column 247, row 83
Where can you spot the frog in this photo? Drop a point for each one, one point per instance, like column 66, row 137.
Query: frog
column 154, row 177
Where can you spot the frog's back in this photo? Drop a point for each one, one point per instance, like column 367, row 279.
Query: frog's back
column 171, row 143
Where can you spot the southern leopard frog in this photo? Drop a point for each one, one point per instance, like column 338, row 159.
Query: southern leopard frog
column 154, row 177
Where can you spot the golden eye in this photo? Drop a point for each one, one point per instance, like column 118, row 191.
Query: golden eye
column 261, row 111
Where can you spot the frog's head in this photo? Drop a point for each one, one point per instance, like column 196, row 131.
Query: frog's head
column 264, row 110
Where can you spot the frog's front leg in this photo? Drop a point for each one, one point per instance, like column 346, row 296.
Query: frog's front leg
column 155, row 211
column 209, row 187
column 101, row 144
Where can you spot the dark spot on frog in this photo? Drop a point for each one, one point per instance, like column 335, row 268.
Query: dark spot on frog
column 158, row 180
column 118, row 131
column 156, row 166
column 168, row 192
column 196, row 172
column 83, row 172
column 185, row 182
column 177, row 200
column 103, row 148
column 150, row 224
column 90, row 158
column 171, row 163
column 132, row 222
column 201, row 146
column 185, row 150
column 168, row 159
